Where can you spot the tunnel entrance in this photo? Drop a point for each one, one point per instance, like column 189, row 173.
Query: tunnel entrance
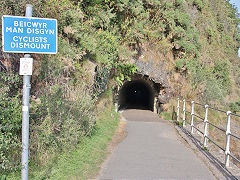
column 136, row 94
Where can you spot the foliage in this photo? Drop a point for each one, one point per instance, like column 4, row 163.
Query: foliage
column 62, row 112
column 84, row 159
column 90, row 153
column 235, row 107
column 199, row 4
column 179, row 123
column 166, row 116
column 208, row 64
column 221, row 73
column 123, row 72
column 180, row 64
column 10, row 122
column 101, row 82
column 62, row 116
column 201, row 35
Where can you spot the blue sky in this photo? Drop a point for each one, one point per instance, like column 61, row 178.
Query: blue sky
column 237, row 4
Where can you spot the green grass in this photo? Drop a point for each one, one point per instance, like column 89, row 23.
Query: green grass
column 84, row 161
column 166, row 116
column 205, row 149
column 179, row 123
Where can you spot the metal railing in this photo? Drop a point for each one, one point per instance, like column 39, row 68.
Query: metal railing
column 206, row 122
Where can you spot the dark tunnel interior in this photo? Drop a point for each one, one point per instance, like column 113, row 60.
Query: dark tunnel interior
column 136, row 94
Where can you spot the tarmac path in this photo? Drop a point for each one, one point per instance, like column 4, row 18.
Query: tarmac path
column 152, row 150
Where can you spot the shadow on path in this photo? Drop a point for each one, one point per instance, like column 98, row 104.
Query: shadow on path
column 210, row 157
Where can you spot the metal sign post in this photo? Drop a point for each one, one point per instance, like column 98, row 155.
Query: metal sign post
column 25, row 112
column 28, row 35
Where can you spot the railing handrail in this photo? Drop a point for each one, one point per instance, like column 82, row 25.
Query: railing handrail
column 206, row 122
column 237, row 115
column 219, row 110
column 199, row 117
column 221, row 129
column 213, row 108
column 199, row 104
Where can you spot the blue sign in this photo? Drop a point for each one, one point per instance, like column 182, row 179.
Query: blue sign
column 29, row 35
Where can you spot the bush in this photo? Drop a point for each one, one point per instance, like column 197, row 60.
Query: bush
column 60, row 116
column 10, row 123
column 213, row 91
column 180, row 64
column 199, row 4
column 235, row 107
column 166, row 116
column 221, row 73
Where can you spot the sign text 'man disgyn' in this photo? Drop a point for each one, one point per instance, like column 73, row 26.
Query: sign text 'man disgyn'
column 29, row 35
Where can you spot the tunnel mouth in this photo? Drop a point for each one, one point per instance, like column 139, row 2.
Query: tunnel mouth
column 136, row 94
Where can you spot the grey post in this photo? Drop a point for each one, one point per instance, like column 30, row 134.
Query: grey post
column 25, row 112
column 192, row 117
column 205, row 126
column 228, row 134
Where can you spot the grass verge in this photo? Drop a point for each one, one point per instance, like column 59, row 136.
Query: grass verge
column 84, row 161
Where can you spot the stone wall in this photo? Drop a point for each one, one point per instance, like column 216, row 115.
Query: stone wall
column 152, row 69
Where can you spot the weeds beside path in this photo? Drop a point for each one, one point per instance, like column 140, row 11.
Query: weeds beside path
column 85, row 161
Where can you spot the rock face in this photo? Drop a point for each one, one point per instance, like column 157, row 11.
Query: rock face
column 155, row 70
column 152, row 67
column 152, row 71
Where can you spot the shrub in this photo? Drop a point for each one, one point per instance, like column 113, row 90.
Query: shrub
column 221, row 73
column 199, row 4
column 10, row 123
column 235, row 107
column 213, row 91
column 180, row 64
column 60, row 118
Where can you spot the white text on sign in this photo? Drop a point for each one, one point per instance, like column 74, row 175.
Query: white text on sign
column 37, row 35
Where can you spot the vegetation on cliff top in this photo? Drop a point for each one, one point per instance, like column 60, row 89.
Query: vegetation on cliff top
column 198, row 38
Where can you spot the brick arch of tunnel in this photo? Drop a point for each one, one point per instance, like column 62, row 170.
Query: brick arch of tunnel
column 139, row 93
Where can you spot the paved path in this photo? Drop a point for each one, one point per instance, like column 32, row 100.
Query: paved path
column 152, row 150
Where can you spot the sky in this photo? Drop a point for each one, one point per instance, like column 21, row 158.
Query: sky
column 237, row 4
